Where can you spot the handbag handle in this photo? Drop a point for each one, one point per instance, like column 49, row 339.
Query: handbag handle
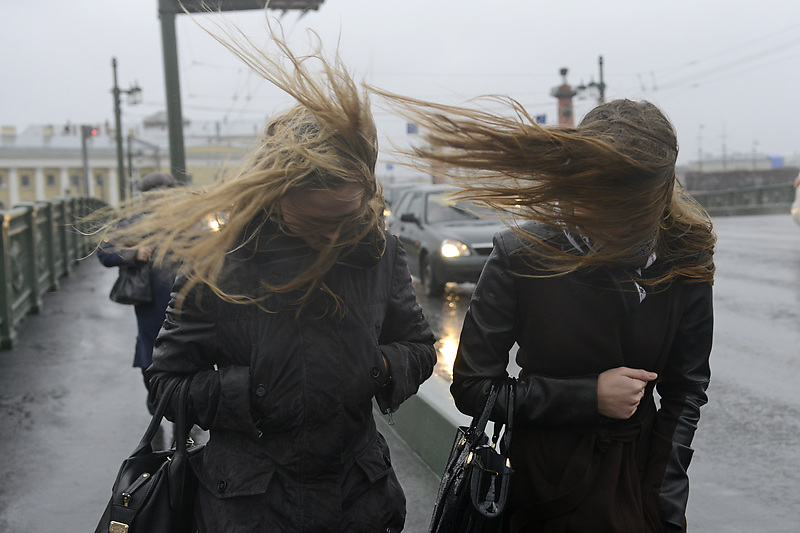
column 507, row 426
column 177, row 465
column 478, row 425
column 511, row 390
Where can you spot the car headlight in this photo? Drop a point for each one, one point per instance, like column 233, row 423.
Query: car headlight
column 453, row 248
column 214, row 222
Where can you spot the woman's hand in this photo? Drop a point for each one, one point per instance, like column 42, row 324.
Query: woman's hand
column 143, row 254
column 619, row 391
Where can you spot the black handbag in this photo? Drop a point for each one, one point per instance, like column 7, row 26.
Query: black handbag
column 155, row 490
column 475, row 483
column 133, row 285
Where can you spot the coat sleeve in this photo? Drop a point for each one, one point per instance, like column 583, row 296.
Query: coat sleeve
column 111, row 253
column 111, row 256
column 682, row 387
column 406, row 339
column 491, row 327
column 188, row 347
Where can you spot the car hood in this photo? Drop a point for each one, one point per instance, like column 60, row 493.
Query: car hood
column 480, row 232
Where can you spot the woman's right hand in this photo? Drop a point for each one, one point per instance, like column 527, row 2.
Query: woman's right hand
column 619, row 391
column 143, row 254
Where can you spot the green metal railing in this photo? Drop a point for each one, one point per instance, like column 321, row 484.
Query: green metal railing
column 766, row 199
column 39, row 244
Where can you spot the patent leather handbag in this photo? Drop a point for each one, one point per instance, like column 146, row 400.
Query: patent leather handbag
column 133, row 285
column 155, row 490
column 475, row 483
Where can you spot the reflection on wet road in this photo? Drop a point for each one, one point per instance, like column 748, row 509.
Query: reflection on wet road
column 445, row 314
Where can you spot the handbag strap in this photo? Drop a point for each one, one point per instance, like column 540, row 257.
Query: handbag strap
column 511, row 390
column 158, row 416
column 508, row 424
column 177, row 467
column 478, row 425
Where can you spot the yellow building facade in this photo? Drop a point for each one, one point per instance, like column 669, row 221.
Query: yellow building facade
column 40, row 165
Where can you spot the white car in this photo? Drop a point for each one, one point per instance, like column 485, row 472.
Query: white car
column 796, row 203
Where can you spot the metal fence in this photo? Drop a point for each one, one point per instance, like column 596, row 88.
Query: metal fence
column 766, row 199
column 39, row 244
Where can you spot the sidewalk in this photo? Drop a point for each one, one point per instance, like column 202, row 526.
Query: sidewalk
column 72, row 408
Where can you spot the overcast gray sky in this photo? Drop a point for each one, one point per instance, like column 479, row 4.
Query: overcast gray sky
column 725, row 72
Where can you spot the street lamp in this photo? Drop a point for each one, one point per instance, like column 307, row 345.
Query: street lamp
column 600, row 86
column 134, row 97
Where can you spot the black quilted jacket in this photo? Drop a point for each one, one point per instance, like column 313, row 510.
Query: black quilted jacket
column 287, row 397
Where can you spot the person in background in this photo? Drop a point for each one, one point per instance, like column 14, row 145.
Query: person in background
column 291, row 317
column 604, row 280
column 149, row 316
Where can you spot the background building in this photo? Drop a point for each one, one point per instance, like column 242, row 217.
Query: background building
column 45, row 162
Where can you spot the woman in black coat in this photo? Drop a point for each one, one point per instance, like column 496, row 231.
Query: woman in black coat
column 292, row 313
column 604, row 281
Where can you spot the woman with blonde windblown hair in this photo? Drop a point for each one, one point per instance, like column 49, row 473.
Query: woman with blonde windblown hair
column 604, row 281
column 291, row 317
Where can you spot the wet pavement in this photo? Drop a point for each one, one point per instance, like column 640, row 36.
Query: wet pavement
column 72, row 408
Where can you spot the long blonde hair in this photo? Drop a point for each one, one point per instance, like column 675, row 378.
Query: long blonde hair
column 327, row 140
column 611, row 178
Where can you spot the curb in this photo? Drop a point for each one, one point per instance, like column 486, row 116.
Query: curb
column 428, row 420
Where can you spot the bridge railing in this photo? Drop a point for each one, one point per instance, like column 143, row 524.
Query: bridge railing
column 39, row 244
column 762, row 200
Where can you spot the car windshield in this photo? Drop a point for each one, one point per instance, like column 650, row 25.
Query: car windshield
column 439, row 208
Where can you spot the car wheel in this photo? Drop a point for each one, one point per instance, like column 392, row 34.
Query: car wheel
column 430, row 284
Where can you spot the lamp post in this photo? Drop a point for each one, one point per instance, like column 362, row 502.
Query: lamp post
column 134, row 97
column 167, row 10
column 600, row 86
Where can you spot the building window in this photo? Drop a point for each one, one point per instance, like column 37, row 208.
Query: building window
column 75, row 180
column 2, row 182
column 51, row 180
column 98, row 180
column 25, row 180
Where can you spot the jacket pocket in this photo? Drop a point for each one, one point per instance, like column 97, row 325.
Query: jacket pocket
column 374, row 461
column 227, row 474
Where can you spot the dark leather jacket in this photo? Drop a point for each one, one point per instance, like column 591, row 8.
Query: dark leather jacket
column 569, row 329
column 287, row 396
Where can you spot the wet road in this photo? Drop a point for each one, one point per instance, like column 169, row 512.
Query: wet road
column 745, row 475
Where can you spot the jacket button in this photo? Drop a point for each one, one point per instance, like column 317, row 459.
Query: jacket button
column 261, row 391
column 222, row 485
column 375, row 372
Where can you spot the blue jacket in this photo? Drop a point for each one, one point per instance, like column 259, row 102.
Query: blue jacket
column 150, row 316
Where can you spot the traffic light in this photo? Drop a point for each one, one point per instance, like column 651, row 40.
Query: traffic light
column 88, row 131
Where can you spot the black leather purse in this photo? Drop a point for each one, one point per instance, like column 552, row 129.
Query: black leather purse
column 133, row 285
column 475, row 483
column 155, row 490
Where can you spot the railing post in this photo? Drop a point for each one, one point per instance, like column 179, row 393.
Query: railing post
column 30, row 253
column 62, row 264
column 7, row 330
column 72, row 234
column 48, row 277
